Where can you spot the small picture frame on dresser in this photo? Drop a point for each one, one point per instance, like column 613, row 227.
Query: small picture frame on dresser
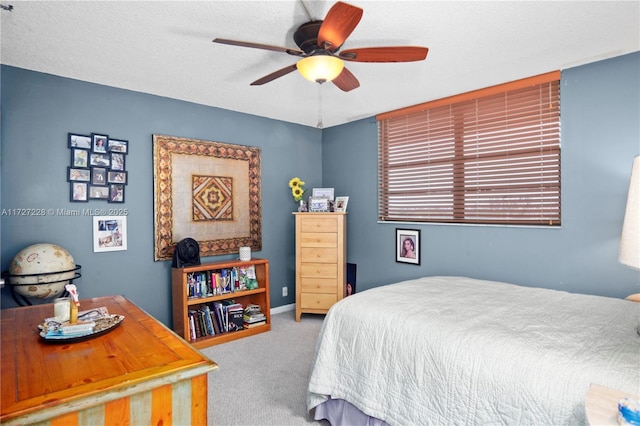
column 341, row 204
column 318, row 204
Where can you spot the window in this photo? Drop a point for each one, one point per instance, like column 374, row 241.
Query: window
column 491, row 156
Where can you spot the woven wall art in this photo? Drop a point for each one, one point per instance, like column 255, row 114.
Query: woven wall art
column 208, row 191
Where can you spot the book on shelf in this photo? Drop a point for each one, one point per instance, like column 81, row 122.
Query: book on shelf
column 253, row 313
column 254, row 324
column 236, row 321
column 221, row 281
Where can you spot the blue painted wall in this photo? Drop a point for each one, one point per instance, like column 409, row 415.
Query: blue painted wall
column 600, row 137
column 38, row 110
column 600, row 110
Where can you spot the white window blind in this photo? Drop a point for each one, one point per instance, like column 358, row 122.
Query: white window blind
column 491, row 156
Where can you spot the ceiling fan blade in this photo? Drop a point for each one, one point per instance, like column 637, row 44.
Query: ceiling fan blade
column 274, row 75
column 295, row 52
column 346, row 81
column 385, row 54
column 339, row 23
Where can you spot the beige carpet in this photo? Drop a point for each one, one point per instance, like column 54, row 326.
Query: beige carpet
column 262, row 379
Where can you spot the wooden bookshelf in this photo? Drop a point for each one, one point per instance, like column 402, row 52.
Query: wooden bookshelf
column 182, row 303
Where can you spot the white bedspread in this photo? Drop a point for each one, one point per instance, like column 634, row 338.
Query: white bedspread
column 454, row 350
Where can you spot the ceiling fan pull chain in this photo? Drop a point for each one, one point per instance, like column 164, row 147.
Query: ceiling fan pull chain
column 319, row 106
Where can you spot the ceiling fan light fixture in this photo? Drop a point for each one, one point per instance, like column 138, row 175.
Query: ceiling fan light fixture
column 320, row 68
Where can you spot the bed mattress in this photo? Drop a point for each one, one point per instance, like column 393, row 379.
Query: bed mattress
column 457, row 350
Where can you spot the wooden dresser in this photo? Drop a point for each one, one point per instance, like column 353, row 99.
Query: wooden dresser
column 321, row 256
column 140, row 373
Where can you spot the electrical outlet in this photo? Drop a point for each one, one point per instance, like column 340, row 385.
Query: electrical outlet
column 285, row 291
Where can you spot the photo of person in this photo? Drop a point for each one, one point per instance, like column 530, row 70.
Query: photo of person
column 98, row 176
column 79, row 192
column 99, row 160
column 99, row 192
column 117, row 177
column 116, row 193
column 80, row 157
column 99, row 143
column 117, row 161
column 408, row 249
column 408, row 246
column 79, row 174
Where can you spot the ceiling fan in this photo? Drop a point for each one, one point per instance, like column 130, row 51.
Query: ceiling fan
column 319, row 42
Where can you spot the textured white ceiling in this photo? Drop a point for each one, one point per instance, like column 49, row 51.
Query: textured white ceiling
column 165, row 48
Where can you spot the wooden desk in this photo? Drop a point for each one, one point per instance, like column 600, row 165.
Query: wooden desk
column 140, row 373
column 601, row 405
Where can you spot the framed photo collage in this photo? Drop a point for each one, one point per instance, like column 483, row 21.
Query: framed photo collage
column 97, row 170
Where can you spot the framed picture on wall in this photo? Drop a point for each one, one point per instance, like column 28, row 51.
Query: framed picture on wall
column 79, row 158
column 98, row 192
column 117, row 177
column 75, row 174
column 98, row 176
column 118, row 145
column 116, row 193
column 79, row 141
column 79, row 192
column 117, row 161
column 408, row 246
column 109, row 233
column 99, row 143
column 99, row 160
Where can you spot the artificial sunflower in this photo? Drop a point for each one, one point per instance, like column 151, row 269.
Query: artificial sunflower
column 296, row 182
column 297, row 188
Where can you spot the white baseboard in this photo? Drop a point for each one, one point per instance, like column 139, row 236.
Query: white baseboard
column 283, row 308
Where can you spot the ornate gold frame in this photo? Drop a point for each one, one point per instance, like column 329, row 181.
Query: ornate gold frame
column 245, row 228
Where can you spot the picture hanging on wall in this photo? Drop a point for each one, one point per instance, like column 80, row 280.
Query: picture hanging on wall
column 408, row 246
column 109, row 233
column 97, row 170
column 209, row 191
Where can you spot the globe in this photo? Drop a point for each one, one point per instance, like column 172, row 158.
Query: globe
column 41, row 271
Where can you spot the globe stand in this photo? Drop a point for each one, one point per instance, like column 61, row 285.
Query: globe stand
column 23, row 300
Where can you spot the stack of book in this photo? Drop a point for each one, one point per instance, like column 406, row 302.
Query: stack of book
column 253, row 316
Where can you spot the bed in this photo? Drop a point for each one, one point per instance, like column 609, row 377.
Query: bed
column 457, row 350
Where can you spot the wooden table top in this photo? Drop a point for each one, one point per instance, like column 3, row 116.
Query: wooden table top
column 37, row 374
column 601, row 405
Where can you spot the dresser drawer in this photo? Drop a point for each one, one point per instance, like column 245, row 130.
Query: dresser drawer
column 318, row 239
column 318, row 270
column 319, row 224
column 317, row 301
column 318, row 255
column 319, row 285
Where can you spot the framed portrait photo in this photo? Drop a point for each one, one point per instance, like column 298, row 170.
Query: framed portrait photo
column 79, row 192
column 99, row 143
column 79, row 158
column 109, row 233
column 408, row 246
column 116, row 193
column 341, row 204
column 98, row 176
column 117, row 161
